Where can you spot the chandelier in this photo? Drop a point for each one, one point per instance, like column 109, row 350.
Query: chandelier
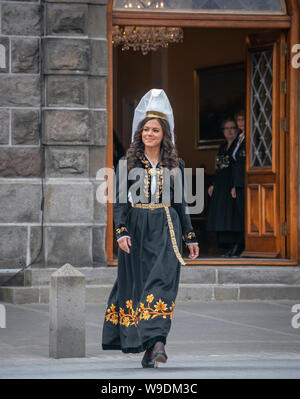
column 134, row 4
column 145, row 38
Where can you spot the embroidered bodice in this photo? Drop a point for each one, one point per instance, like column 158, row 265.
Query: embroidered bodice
column 152, row 192
column 153, row 178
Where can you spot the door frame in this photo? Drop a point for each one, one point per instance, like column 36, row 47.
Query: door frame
column 290, row 22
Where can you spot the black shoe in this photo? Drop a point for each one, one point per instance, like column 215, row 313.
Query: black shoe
column 227, row 254
column 148, row 359
column 159, row 353
column 236, row 251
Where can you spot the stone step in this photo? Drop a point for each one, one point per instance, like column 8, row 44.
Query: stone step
column 11, row 278
column 189, row 275
column 186, row 292
column 93, row 275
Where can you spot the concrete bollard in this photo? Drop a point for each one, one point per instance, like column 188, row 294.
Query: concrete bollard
column 67, row 313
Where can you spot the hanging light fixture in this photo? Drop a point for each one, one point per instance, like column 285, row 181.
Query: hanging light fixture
column 145, row 38
column 134, row 4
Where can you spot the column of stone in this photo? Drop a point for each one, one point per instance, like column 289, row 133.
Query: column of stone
column 75, row 130
column 20, row 100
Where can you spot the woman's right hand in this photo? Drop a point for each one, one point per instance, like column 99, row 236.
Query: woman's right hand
column 125, row 243
column 210, row 190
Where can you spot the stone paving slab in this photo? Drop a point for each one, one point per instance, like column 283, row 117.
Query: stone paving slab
column 228, row 339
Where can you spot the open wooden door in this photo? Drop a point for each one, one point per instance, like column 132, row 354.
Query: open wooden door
column 265, row 220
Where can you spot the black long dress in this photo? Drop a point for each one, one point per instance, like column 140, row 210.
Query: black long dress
column 223, row 214
column 141, row 304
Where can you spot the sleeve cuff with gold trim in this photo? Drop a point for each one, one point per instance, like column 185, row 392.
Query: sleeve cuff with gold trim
column 121, row 231
column 190, row 238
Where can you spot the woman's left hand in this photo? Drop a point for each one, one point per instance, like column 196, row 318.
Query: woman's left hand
column 194, row 251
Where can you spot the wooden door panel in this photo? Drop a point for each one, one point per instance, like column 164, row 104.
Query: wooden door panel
column 261, row 210
column 268, row 210
column 253, row 206
column 265, row 204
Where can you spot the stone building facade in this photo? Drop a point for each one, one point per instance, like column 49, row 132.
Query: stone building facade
column 53, row 132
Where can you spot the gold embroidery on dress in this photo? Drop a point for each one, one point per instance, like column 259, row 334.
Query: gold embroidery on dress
column 145, row 312
column 153, row 172
column 173, row 237
column 152, row 205
column 147, row 178
column 119, row 230
column 160, row 182
column 190, row 235
column 158, row 194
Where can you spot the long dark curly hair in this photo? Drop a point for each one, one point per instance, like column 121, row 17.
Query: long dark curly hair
column 168, row 153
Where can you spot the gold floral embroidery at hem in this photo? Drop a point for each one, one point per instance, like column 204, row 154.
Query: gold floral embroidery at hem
column 145, row 312
column 119, row 231
column 190, row 235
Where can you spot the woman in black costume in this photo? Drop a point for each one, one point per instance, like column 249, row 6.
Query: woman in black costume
column 223, row 214
column 141, row 304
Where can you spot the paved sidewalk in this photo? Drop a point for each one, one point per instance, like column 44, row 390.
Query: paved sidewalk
column 226, row 339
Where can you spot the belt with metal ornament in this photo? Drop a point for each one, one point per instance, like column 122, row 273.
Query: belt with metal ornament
column 166, row 205
column 153, row 205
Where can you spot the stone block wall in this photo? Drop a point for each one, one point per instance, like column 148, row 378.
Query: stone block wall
column 53, row 123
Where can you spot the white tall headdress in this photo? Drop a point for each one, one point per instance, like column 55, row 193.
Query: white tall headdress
column 156, row 104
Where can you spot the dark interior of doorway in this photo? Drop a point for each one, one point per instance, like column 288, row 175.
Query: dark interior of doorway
column 173, row 70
